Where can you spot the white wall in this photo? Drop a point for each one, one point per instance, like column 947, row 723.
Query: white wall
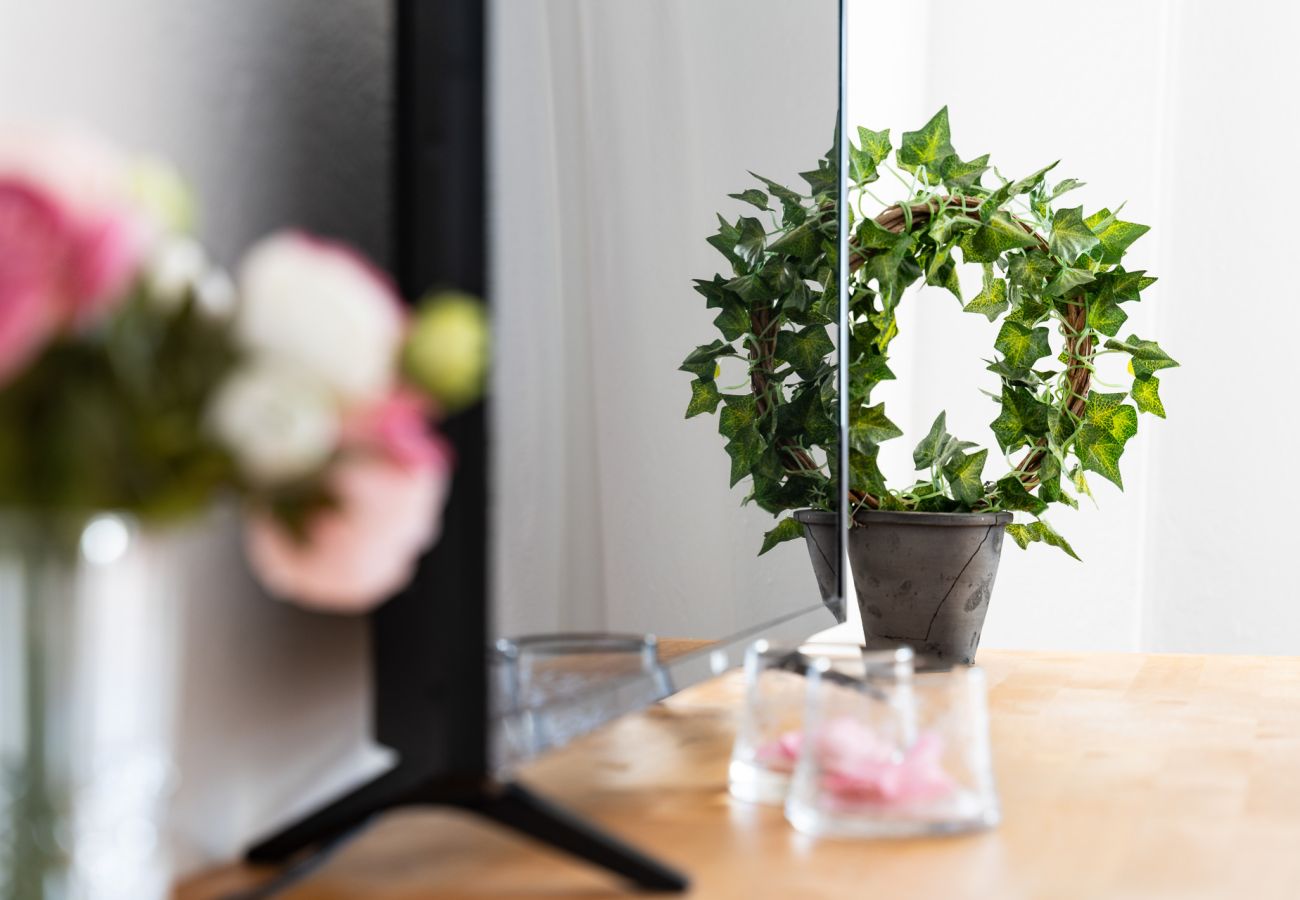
column 1146, row 101
column 278, row 111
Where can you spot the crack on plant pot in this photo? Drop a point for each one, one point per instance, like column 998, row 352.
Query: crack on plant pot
column 956, row 580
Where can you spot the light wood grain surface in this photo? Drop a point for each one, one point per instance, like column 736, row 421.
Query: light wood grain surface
column 1122, row 776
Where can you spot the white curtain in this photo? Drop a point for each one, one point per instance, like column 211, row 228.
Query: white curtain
column 618, row 130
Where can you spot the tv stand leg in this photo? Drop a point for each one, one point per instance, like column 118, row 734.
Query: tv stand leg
column 508, row 804
column 518, row 808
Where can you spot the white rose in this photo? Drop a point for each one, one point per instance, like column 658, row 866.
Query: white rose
column 178, row 266
column 320, row 307
column 174, row 268
column 279, row 424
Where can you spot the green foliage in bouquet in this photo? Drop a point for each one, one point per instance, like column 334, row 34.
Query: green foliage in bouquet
column 91, row 424
column 1053, row 276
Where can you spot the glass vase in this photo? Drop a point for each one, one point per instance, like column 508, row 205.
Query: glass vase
column 88, row 667
column 891, row 751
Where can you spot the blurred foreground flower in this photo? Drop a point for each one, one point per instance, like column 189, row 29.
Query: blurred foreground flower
column 70, row 237
column 318, row 305
column 447, row 353
column 363, row 549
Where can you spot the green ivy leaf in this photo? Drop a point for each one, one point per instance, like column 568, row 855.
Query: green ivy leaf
column 1106, row 317
column 725, row 240
column 869, row 426
column 869, row 370
column 1014, row 189
column 1030, row 268
column 754, row 197
column 990, row 302
column 1028, row 311
column 1049, row 481
column 895, row 269
column 1129, row 285
column 1022, row 346
column 804, row 417
column 1147, row 357
column 1024, row 535
column 1114, row 235
column 715, row 292
column 1013, row 495
column 1107, row 426
column 938, row 447
column 822, row 179
column 937, row 503
column 1109, row 411
column 733, row 321
column 964, row 473
column 1146, row 394
column 1067, row 279
column 874, row 236
column 792, row 209
column 801, row 243
column 928, row 147
column 786, row 530
column 995, row 237
column 806, row 349
column 1080, row 481
column 704, row 397
column 1022, row 419
column 752, row 288
column 751, row 240
column 745, row 449
column 945, row 276
column 1071, row 237
column 739, row 413
column 776, row 495
column 703, row 360
column 1064, row 186
column 873, row 148
column 958, row 175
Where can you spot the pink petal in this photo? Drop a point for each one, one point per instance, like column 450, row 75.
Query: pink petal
column 361, row 552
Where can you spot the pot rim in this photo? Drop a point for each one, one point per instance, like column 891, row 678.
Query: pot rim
column 900, row 517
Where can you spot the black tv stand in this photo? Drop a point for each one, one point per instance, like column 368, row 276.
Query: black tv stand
column 506, row 803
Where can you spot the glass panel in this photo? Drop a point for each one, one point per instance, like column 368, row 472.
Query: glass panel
column 618, row 132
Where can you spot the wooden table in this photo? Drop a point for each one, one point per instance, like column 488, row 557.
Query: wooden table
column 1121, row 776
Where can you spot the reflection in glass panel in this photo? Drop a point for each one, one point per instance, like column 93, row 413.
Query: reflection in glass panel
column 637, row 476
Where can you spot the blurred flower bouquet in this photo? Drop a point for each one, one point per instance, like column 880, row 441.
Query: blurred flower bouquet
column 139, row 387
column 136, row 377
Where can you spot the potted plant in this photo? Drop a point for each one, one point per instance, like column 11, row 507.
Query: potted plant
column 923, row 557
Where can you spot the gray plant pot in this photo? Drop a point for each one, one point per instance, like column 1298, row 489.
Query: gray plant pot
column 922, row 579
column 823, row 549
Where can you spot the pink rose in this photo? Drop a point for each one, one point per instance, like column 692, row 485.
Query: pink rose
column 35, row 242
column 70, row 237
column 356, row 555
column 397, row 426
